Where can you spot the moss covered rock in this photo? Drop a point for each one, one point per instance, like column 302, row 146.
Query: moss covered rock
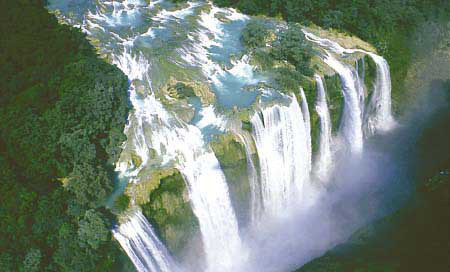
column 231, row 155
column 335, row 99
column 169, row 211
column 176, row 95
column 136, row 160
column 183, row 89
column 149, row 180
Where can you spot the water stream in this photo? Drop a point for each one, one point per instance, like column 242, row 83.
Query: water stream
column 159, row 42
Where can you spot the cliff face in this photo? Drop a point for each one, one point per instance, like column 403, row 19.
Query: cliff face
column 415, row 237
column 169, row 211
column 232, row 158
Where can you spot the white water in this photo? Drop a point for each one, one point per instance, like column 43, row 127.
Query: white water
column 201, row 42
column 140, row 242
column 180, row 145
column 351, row 122
column 210, row 118
column 324, row 157
column 307, row 119
column 281, row 142
column 211, row 204
column 183, row 145
column 378, row 116
column 255, row 188
column 281, row 134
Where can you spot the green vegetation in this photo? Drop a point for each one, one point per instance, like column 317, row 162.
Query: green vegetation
column 415, row 237
column 291, row 46
column 121, row 203
column 255, row 34
column 232, row 159
column 287, row 56
column 169, row 212
column 181, row 91
column 62, row 113
column 335, row 99
column 389, row 25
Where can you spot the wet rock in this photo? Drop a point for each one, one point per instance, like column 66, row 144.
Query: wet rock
column 232, row 158
column 169, row 211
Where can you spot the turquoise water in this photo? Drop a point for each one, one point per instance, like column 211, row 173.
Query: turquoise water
column 161, row 34
column 231, row 92
column 120, row 184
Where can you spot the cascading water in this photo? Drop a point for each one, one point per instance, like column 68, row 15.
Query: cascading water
column 130, row 32
column 281, row 141
column 211, row 204
column 324, row 156
column 351, row 124
column 140, row 242
column 307, row 119
column 183, row 144
column 378, row 116
column 255, row 188
column 208, row 191
column 154, row 129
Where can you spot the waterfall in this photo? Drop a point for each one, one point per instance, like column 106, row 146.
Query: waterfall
column 281, row 141
column 351, row 124
column 307, row 119
column 255, row 188
column 324, row 157
column 378, row 116
column 140, row 242
column 211, row 204
column 183, row 145
column 132, row 34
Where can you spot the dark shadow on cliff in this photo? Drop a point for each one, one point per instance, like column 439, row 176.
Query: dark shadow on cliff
column 385, row 184
column 416, row 236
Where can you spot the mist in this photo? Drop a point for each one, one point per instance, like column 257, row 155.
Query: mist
column 361, row 189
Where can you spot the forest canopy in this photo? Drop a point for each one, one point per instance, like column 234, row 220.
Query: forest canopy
column 389, row 25
column 62, row 115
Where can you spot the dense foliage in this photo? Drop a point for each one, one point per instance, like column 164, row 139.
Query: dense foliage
column 387, row 24
column 170, row 214
column 62, row 113
column 285, row 53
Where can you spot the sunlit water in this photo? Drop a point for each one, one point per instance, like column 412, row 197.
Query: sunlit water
column 153, row 43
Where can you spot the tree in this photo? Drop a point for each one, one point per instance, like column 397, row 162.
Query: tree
column 93, row 230
column 62, row 116
column 90, row 184
column 32, row 261
column 255, row 33
column 121, row 202
column 292, row 46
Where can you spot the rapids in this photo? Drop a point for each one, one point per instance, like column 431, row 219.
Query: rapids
column 154, row 42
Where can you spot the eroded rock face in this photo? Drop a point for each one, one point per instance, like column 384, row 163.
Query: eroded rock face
column 183, row 90
column 176, row 95
column 168, row 209
column 231, row 155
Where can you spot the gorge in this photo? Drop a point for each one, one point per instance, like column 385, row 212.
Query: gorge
column 154, row 45
column 252, row 143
